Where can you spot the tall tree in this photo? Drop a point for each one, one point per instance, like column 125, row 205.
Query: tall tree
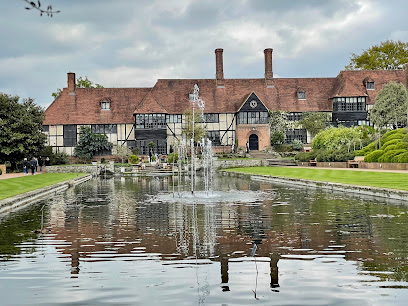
column 390, row 107
column 279, row 124
column 80, row 83
column 91, row 144
column 387, row 55
column 20, row 129
column 314, row 122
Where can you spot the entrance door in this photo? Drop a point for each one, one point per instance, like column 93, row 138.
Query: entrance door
column 253, row 142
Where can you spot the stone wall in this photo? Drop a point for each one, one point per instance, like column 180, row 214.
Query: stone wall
column 72, row 169
column 235, row 163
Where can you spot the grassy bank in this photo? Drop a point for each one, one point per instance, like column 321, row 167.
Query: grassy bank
column 19, row 185
column 361, row 178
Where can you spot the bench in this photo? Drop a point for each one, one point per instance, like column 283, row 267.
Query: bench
column 353, row 163
column 312, row 163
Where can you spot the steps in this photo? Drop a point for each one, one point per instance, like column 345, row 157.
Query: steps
column 275, row 162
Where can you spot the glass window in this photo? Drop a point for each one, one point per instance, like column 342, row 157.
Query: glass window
column 70, row 135
column 301, row 95
column 370, row 85
column 253, row 117
column 211, row 118
column 214, row 136
column 105, row 105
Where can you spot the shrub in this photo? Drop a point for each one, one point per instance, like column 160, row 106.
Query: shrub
column 1, row 172
column 334, row 155
column 136, row 151
column 283, row 148
column 390, row 142
column 402, row 145
column 389, row 148
column 153, row 158
column 402, row 158
column 172, row 157
column 387, row 156
column 133, row 159
column 373, row 156
column 297, row 145
column 59, row 158
column 304, row 156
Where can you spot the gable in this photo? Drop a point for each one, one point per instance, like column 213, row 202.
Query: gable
column 253, row 104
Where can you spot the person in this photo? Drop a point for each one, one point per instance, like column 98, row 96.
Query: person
column 47, row 161
column 150, row 155
column 26, row 166
column 233, row 148
column 40, row 163
column 36, row 164
column 33, row 164
column 247, row 147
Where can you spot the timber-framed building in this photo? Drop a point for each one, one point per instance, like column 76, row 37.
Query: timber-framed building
column 236, row 110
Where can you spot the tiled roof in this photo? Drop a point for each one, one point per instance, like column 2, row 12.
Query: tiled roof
column 172, row 96
column 350, row 83
column 84, row 107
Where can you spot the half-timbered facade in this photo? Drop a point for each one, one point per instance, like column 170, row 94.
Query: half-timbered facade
column 236, row 110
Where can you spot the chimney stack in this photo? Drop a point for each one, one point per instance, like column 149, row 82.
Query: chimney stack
column 71, row 83
column 268, row 68
column 219, row 75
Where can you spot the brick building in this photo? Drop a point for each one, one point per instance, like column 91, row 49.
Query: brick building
column 236, row 110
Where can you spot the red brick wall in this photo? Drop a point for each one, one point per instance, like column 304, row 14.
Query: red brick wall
column 261, row 130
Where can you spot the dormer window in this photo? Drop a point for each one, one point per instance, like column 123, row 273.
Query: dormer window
column 105, row 104
column 370, row 85
column 301, row 95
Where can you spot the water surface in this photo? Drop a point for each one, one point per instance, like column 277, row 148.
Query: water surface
column 129, row 242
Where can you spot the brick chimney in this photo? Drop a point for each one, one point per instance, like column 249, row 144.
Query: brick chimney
column 71, row 83
column 219, row 74
column 268, row 68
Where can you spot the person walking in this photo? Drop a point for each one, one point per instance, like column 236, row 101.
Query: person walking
column 26, row 166
column 36, row 164
column 33, row 164
column 40, row 163
column 47, row 161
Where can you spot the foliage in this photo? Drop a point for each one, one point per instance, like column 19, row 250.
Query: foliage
column 20, row 129
column 200, row 131
column 388, row 155
column 336, row 138
column 401, row 158
column 172, row 156
column 151, row 145
column 305, row 156
column 80, row 83
column 37, row 6
column 373, row 156
column 90, row 144
column 1, row 172
column 279, row 124
column 314, row 122
column 58, row 158
column 297, row 145
column 387, row 55
column 121, row 151
column 153, row 158
column 334, row 155
column 136, row 151
column 133, row 159
column 391, row 106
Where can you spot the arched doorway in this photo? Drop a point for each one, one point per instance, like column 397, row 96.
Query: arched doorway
column 253, row 142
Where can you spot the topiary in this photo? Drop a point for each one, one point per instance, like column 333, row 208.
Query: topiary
column 133, row 159
column 373, row 156
column 402, row 158
column 304, row 156
column 387, row 156
column 390, row 142
column 402, row 145
column 389, row 148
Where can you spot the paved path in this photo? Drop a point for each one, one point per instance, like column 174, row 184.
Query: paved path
column 12, row 175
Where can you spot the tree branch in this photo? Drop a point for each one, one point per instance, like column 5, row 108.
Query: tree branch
column 37, row 6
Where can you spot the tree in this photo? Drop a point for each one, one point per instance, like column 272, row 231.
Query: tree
column 80, row 83
column 199, row 130
column 121, row 151
column 37, row 6
column 387, row 55
column 314, row 122
column 20, row 129
column 91, row 144
column 391, row 106
column 279, row 124
column 336, row 138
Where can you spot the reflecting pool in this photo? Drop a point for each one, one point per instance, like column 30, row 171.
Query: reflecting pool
column 129, row 241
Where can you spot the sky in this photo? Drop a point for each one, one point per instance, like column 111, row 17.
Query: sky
column 132, row 43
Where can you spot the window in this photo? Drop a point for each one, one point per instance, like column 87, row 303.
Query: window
column 105, row 105
column 294, row 116
column 70, row 135
column 46, row 128
column 252, row 117
column 160, row 146
column 370, row 85
column 104, row 128
column 349, row 104
column 301, row 95
column 174, row 118
column 299, row 134
column 214, row 136
column 150, row 121
column 211, row 118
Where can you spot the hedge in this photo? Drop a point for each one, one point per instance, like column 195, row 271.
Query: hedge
column 387, row 156
column 373, row 156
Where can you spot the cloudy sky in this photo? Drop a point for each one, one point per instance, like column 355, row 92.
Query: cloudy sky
column 132, row 43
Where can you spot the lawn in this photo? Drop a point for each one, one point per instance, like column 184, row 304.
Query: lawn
column 14, row 186
column 361, row 178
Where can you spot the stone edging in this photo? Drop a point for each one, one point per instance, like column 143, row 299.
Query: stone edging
column 21, row 200
column 387, row 193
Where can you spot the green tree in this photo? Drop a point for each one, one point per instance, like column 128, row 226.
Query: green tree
column 199, row 129
column 390, row 107
column 121, row 151
column 314, row 122
column 279, row 124
column 20, row 129
column 387, row 55
column 80, row 83
column 337, row 138
column 91, row 144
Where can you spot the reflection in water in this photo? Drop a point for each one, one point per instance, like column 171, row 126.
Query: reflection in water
column 119, row 233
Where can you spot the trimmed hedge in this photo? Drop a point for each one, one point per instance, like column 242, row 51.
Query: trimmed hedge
column 402, row 158
column 373, row 156
column 387, row 156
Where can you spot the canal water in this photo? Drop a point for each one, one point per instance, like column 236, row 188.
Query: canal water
column 129, row 241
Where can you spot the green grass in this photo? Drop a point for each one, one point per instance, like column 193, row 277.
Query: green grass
column 15, row 186
column 361, row 178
